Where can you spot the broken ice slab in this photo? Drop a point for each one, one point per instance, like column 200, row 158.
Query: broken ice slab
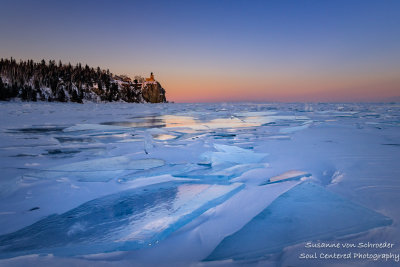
column 164, row 137
column 279, row 137
column 296, row 128
column 171, row 169
column 289, row 175
column 131, row 219
column 306, row 212
column 231, row 154
column 221, row 173
column 98, row 170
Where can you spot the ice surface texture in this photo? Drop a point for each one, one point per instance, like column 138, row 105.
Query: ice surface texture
column 126, row 220
column 232, row 154
column 82, row 163
column 306, row 212
column 98, row 170
column 289, row 175
column 225, row 163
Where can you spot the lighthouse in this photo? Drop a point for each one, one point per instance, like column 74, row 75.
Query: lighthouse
column 151, row 79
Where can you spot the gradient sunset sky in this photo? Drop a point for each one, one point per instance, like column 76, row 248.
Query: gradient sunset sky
column 211, row 51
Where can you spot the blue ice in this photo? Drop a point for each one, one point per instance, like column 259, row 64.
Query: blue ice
column 127, row 220
column 225, row 163
column 287, row 176
column 98, row 170
column 171, row 169
column 296, row 128
column 221, row 173
column 305, row 213
column 232, row 154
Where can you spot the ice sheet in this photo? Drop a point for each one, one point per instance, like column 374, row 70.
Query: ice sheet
column 306, row 212
column 97, row 170
column 232, row 154
column 289, row 175
column 130, row 219
column 351, row 149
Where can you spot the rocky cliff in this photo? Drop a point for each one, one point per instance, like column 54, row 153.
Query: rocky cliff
column 43, row 81
column 153, row 92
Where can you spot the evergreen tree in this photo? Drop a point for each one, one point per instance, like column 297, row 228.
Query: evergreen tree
column 3, row 93
column 75, row 97
column 61, row 95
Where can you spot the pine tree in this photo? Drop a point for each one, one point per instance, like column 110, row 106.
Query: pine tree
column 61, row 95
column 3, row 93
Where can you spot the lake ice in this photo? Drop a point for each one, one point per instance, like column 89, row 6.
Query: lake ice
column 195, row 184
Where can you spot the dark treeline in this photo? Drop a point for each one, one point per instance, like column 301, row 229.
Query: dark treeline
column 51, row 81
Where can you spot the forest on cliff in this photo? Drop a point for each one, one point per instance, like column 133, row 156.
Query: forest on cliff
column 51, row 81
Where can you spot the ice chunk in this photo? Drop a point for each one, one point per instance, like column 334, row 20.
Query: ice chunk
column 306, row 212
column 170, row 169
column 221, row 173
column 290, row 175
column 232, row 154
column 295, row 128
column 164, row 137
column 238, row 169
column 279, row 137
column 110, row 164
column 98, row 170
column 127, row 220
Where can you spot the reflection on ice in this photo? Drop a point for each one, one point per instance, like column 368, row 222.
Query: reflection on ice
column 93, row 127
column 39, row 130
column 244, row 120
column 142, row 122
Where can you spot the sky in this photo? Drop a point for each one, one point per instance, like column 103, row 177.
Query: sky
column 221, row 51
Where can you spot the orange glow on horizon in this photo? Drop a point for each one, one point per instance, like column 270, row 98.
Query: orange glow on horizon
column 281, row 90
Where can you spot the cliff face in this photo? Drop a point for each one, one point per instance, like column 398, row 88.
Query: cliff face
column 152, row 92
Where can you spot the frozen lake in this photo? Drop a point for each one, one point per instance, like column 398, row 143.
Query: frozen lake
column 198, row 184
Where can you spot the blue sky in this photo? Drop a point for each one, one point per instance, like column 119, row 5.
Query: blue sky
column 221, row 50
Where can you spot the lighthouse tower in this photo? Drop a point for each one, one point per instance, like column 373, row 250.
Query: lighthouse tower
column 151, row 79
